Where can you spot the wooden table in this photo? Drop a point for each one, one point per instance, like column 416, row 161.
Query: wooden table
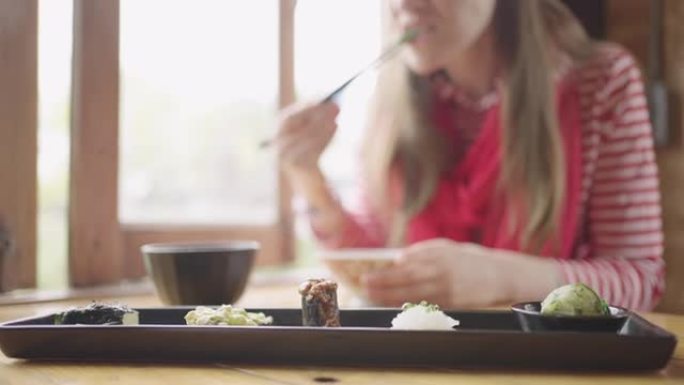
column 14, row 372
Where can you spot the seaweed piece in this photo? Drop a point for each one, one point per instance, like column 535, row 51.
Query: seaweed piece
column 319, row 303
column 98, row 314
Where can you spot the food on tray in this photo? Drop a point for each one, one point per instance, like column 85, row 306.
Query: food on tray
column 423, row 316
column 226, row 315
column 576, row 299
column 98, row 314
column 319, row 303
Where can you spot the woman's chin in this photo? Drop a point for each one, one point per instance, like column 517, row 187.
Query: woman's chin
column 421, row 65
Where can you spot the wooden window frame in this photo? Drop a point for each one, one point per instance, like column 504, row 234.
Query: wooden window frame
column 102, row 250
column 18, row 142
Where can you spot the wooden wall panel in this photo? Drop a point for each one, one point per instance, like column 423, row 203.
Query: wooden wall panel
column 671, row 163
column 18, row 139
column 94, row 234
column 628, row 24
column 671, row 159
column 674, row 67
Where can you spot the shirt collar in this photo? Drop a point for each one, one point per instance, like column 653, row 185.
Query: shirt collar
column 447, row 91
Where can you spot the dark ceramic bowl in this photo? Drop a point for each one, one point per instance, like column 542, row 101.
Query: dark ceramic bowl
column 531, row 320
column 200, row 273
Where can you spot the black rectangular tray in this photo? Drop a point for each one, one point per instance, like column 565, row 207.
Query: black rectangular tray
column 484, row 339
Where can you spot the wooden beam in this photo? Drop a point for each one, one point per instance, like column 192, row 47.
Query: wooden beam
column 18, row 140
column 286, row 92
column 94, row 235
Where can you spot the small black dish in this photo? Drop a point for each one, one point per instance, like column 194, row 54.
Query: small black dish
column 531, row 320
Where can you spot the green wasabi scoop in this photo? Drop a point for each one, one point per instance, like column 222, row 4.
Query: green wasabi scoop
column 576, row 299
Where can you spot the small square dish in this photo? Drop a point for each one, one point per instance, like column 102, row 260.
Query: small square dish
column 530, row 318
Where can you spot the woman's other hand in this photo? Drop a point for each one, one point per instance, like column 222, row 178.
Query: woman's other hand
column 304, row 132
column 456, row 275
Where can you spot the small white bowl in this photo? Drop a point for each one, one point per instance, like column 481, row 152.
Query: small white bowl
column 349, row 265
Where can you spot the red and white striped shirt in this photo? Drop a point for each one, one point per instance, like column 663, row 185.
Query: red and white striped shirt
column 620, row 246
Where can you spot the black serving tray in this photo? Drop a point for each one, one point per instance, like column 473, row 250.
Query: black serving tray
column 484, row 339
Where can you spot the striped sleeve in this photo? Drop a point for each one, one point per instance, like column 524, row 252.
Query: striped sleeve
column 361, row 224
column 358, row 226
column 621, row 256
column 360, row 230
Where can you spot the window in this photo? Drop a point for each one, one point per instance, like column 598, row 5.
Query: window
column 185, row 97
column 327, row 53
column 54, row 82
column 150, row 116
column 199, row 90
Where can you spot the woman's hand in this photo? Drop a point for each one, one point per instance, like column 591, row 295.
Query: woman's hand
column 456, row 275
column 304, row 132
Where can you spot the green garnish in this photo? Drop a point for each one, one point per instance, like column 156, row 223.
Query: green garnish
column 429, row 307
column 226, row 315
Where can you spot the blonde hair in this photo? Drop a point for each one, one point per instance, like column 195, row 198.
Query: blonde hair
column 527, row 33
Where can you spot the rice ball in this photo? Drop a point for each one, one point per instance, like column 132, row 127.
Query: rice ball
column 423, row 316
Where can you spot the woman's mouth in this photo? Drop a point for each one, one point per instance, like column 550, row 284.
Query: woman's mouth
column 418, row 33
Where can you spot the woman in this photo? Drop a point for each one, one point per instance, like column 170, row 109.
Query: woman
column 507, row 152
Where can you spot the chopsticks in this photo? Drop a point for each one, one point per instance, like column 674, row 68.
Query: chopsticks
column 408, row 36
column 388, row 53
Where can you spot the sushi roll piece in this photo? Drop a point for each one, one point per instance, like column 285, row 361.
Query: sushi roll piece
column 98, row 314
column 319, row 303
